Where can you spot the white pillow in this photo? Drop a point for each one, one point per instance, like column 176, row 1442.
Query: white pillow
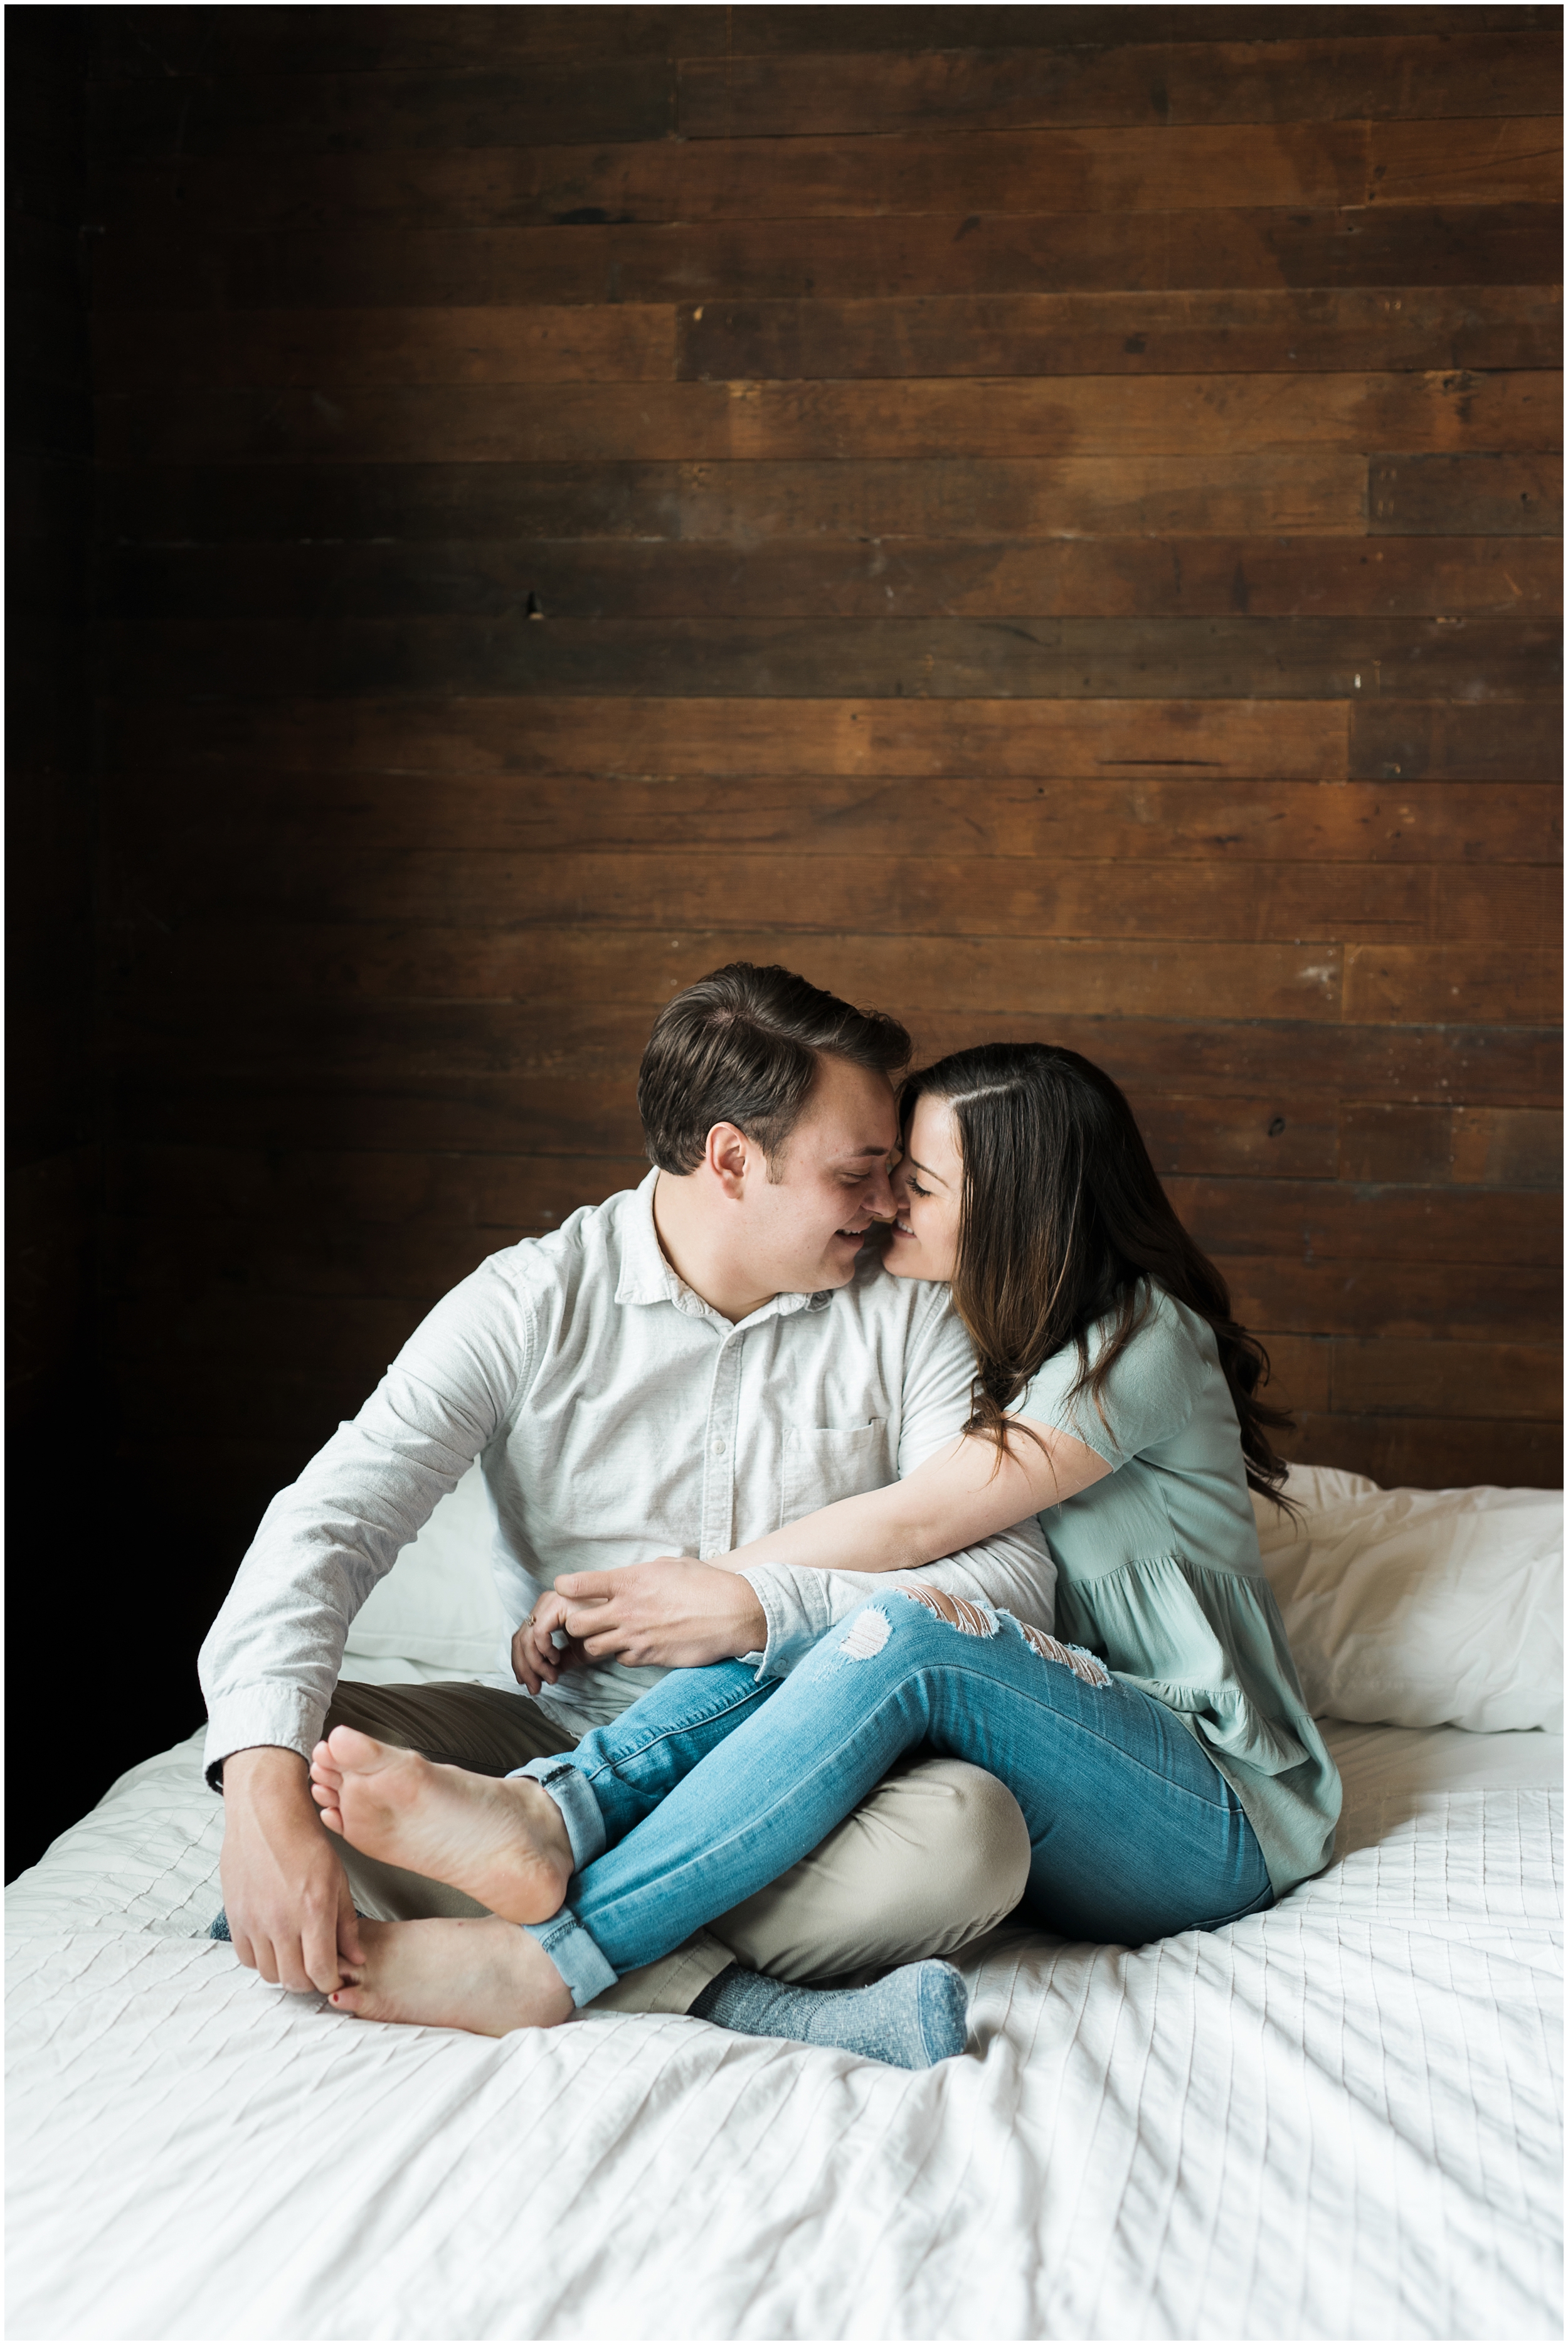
column 1420, row 1608
column 439, row 1603
column 1317, row 1486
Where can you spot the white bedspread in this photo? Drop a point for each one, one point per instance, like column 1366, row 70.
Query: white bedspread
column 1340, row 2119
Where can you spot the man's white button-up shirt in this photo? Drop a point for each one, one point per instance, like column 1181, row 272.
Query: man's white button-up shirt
column 617, row 1417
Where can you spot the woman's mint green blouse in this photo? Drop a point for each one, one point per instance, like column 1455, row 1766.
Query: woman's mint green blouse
column 1159, row 1571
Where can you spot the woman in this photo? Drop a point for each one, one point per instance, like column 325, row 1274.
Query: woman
column 1163, row 1758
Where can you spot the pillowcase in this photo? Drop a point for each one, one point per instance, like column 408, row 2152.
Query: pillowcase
column 1420, row 1608
column 439, row 1603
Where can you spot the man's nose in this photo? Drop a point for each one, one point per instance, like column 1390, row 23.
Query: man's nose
column 880, row 1201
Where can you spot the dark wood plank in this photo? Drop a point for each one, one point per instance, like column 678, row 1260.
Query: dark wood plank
column 140, row 43
column 1494, row 494
column 1033, row 334
column 1441, row 1454
column 694, row 423
column 1498, row 904
column 317, row 1196
column 1411, row 75
column 191, row 348
column 1491, row 1148
column 1119, row 578
column 1003, row 658
column 1333, row 1221
column 597, row 997
column 1148, row 333
column 156, row 818
column 1445, row 1301
column 1303, row 740
column 907, row 894
column 1307, row 165
column 1320, row 490
column 1058, row 979
column 1411, row 246
column 1392, row 741
column 1502, row 981
column 1419, row 1378
column 133, row 42
column 566, row 100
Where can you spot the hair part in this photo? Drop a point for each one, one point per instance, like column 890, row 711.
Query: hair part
column 743, row 1046
column 1062, row 1220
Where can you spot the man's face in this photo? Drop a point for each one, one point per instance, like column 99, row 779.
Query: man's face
column 806, row 1230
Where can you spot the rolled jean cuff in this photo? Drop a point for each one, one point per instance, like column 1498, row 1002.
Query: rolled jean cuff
column 582, row 1967
column 573, row 1795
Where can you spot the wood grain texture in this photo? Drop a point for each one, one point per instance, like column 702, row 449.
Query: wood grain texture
column 1038, row 335
column 737, row 423
column 1307, row 165
column 1417, row 247
column 744, row 504
column 1044, row 518
column 1409, row 74
column 1009, row 656
column 1303, row 740
column 1435, row 744
column 1266, row 331
column 134, row 43
column 1100, row 577
column 317, row 819
column 1416, row 495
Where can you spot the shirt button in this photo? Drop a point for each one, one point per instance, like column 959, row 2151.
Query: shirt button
column 718, row 1448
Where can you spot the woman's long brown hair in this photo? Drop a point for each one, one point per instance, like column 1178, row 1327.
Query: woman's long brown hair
column 1062, row 1219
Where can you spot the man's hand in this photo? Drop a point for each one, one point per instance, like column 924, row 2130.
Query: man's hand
column 676, row 1614
column 290, row 1910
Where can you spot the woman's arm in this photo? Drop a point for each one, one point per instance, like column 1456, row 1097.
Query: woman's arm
column 959, row 1497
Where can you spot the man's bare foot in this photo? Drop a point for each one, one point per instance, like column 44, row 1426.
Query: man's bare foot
column 503, row 1841
column 487, row 1976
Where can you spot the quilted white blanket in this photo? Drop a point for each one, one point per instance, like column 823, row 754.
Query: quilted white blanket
column 1340, row 2119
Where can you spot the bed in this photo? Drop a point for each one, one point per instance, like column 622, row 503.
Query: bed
column 1338, row 2120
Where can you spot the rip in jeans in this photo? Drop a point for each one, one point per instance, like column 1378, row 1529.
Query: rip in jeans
column 969, row 1620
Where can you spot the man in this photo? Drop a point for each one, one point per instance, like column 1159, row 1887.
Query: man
column 668, row 1374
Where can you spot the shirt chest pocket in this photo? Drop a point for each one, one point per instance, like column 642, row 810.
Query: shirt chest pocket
column 824, row 1462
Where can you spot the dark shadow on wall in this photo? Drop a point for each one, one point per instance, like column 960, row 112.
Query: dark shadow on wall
column 102, row 1613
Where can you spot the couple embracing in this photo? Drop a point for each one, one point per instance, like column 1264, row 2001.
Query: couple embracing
column 872, row 1489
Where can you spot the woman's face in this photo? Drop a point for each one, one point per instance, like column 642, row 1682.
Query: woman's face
column 928, row 1188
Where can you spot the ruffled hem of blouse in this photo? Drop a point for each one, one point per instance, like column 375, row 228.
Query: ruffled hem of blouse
column 1209, row 1643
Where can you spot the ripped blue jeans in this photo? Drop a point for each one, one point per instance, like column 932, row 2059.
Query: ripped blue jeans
column 712, row 1785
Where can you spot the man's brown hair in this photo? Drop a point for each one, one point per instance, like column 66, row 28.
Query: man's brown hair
column 741, row 1047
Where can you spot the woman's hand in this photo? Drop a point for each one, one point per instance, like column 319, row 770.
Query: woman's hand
column 536, row 1659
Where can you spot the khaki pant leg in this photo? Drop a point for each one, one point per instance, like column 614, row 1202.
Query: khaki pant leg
column 937, row 1855
column 934, row 1858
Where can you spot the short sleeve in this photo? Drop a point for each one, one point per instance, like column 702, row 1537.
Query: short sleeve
column 1146, row 1400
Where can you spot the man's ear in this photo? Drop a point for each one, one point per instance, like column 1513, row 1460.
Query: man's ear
column 729, row 1155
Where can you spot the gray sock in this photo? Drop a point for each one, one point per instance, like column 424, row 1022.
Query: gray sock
column 220, row 1928
column 911, row 2020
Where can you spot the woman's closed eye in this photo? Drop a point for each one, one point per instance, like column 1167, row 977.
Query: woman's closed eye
column 914, row 1187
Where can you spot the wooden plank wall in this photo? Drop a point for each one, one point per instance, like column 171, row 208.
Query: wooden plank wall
column 1043, row 518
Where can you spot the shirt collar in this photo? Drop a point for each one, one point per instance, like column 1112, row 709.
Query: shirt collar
column 647, row 1277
